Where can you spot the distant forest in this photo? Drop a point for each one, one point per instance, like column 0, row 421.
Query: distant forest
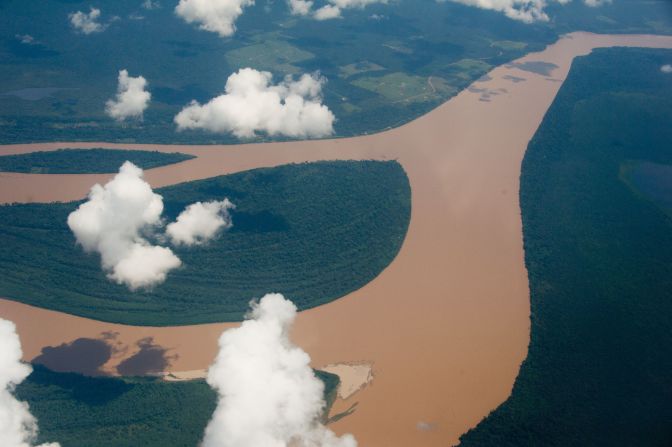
column 599, row 257
column 79, row 411
column 86, row 161
column 312, row 231
column 378, row 60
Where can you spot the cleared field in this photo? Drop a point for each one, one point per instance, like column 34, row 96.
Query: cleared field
column 470, row 68
column 272, row 55
column 349, row 70
column 398, row 87
column 509, row 45
column 458, row 287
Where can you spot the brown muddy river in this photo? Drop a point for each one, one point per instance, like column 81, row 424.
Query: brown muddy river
column 445, row 326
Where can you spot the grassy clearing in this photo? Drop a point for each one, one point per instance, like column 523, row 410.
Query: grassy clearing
column 272, row 55
column 509, row 45
column 470, row 68
column 349, row 70
column 398, row 87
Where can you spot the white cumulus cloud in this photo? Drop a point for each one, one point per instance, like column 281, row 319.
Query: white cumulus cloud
column 251, row 104
column 596, row 3
column 217, row 16
column 300, row 7
column 18, row 428
column 527, row 11
column 112, row 223
column 200, row 222
column 327, row 12
column 151, row 4
column 87, row 23
column 332, row 10
column 344, row 4
column 25, row 39
column 132, row 98
column 268, row 394
column 666, row 68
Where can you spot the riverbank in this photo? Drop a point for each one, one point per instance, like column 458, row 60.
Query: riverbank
column 447, row 323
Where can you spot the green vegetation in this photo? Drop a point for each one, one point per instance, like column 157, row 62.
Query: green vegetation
column 274, row 55
column 86, row 161
column 651, row 181
column 469, row 69
column 313, row 232
column 599, row 258
column 397, row 87
column 509, row 45
column 80, row 411
column 360, row 67
column 54, row 88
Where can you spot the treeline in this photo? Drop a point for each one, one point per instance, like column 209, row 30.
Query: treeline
column 79, row 411
column 313, row 232
column 86, row 161
column 599, row 258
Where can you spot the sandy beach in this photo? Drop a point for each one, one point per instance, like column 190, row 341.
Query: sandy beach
column 446, row 325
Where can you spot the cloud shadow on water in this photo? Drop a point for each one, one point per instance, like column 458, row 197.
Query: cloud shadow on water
column 150, row 359
column 538, row 67
column 83, row 355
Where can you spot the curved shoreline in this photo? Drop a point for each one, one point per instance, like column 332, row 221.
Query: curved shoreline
column 446, row 325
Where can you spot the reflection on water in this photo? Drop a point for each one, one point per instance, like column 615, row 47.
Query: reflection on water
column 150, row 359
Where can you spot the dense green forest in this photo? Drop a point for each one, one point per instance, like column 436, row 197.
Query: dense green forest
column 386, row 63
column 653, row 181
column 86, row 161
column 599, row 257
column 80, row 411
column 313, row 231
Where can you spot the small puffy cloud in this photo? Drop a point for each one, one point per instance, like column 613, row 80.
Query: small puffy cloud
column 251, row 104
column 144, row 265
column 149, row 4
column 666, row 68
column 18, row 428
column 217, row 16
column 25, row 39
column 300, row 7
column 329, row 11
column 132, row 99
column 344, row 4
column 527, row 11
column 596, row 3
column 200, row 222
column 112, row 222
column 268, row 393
column 87, row 23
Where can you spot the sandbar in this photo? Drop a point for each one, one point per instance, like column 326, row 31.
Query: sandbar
column 447, row 323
